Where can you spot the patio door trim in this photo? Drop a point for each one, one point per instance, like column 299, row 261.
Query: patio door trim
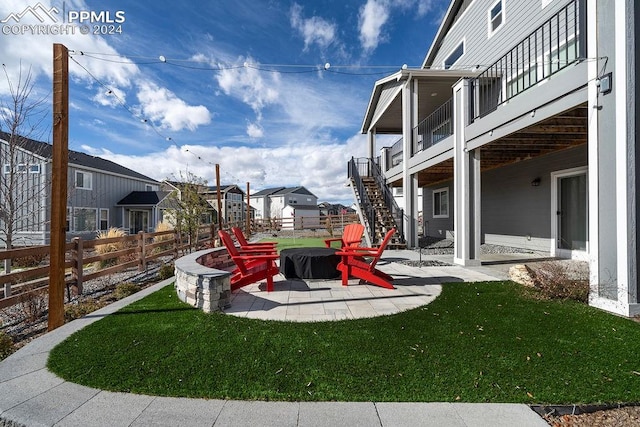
column 555, row 250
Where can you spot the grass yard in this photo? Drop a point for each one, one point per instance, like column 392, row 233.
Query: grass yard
column 302, row 242
column 478, row 342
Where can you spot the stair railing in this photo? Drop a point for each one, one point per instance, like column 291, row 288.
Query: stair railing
column 396, row 212
column 368, row 211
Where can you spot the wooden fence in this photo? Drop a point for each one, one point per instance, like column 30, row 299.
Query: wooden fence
column 83, row 262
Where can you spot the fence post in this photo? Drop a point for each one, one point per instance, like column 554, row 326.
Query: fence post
column 78, row 266
column 142, row 262
column 176, row 243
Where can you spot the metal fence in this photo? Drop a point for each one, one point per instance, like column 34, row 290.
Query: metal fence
column 553, row 46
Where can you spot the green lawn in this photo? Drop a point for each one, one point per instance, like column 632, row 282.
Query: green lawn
column 303, row 242
column 479, row 342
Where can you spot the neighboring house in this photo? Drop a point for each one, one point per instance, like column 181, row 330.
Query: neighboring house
column 261, row 202
column 171, row 203
column 143, row 210
column 283, row 202
column 95, row 187
column 232, row 200
column 327, row 209
column 520, row 130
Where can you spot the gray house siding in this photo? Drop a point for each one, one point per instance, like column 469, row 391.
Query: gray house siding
column 515, row 213
column 106, row 190
column 520, row 18
column 441, row 228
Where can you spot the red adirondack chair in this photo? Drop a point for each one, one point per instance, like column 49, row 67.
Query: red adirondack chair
column 354, row 264
column 244, row 244
column 351, row 236
column 250, row 267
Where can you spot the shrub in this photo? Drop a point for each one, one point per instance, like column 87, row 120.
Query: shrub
column 6, row 345
column 110, row 247
column 32, row 302
column 557, row 280
column 166, row 271
column 29, row 261
column 123, row 290
column 76, row 311
column 166, row 238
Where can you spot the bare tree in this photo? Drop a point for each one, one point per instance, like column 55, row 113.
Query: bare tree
column 22, row 114
column 188, row 205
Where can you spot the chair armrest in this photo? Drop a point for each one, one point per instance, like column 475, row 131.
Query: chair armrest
column 353, row 253
column 328, row 241
column 258, row 256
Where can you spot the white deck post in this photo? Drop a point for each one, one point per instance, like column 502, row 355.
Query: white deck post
column 466, row 181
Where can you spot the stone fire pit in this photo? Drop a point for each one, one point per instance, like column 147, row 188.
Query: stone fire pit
column 203, row 279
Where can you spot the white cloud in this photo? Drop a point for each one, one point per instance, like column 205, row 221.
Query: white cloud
column 320, row 168
column 161, row 105
column 254, row 130
column 250, row 86
column 110, row 98
column 313, row 30
column 373, row 15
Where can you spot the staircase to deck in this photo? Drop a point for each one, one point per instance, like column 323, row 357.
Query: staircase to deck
column 376, row 207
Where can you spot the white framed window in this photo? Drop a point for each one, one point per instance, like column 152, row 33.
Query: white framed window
column 148, row 187
column 454, row 56
column 441, row 203
column 34, row 168
column 21, row 168
column 84, row 219
column 495, row 17
column 104, row 219
column 83, row 180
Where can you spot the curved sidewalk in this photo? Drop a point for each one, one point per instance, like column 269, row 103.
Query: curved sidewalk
column 31, row 395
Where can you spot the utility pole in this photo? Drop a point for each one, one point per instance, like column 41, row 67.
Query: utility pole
column 219, row 197
column 248, row 220
column 59, row 172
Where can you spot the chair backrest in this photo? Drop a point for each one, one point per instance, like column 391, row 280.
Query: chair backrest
column 352, row 234
column 381, row 248
column 231, row 248
column 239, row 236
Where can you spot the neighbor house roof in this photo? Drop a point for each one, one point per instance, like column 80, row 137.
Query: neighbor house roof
column 296, row 190
column 267, row 192
column 45, row 150
column 143, row 198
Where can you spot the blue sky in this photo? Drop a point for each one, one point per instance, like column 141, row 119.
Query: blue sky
column 242, row 83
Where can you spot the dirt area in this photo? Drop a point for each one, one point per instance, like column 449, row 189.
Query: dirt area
column 619, row 417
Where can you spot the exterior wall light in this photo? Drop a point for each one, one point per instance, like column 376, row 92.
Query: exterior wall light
column 535, row 182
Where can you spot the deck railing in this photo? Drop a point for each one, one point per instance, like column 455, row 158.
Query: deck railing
column 434, row 128
column 556, row 44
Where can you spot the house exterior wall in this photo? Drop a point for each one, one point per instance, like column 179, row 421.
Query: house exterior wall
column 106, row 191
column 30, row 193
column 520, row 18
column 515, row 213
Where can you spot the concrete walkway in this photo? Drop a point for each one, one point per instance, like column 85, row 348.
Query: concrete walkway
column 30, row 395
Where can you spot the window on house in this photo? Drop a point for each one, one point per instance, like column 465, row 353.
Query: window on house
column 34, row 168
column 148, row 187
column 454, row 56
column 104, row 219
column 83, row 180
column 441, row 203
column 84, row 219
column 495, row 17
